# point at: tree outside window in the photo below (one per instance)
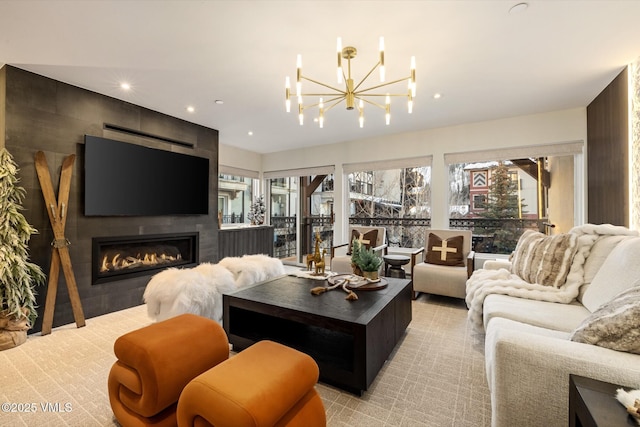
(489, 197)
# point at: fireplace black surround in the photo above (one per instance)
(64, 114)
(121, 257)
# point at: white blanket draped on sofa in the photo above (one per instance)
(485, 282)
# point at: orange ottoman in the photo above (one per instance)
(268, 384)
(156, 362)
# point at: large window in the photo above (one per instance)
(500, 199)
(399, 199)
(235, 195)
(284, 199)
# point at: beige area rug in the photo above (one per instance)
(435, 377)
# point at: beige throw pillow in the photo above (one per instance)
(619, 271)
(615, 325)
(543, 259)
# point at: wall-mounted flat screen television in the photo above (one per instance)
(122, 179)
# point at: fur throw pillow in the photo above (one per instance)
(445, 252)
(543, 259)
(615, 325)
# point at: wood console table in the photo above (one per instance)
(238, 241)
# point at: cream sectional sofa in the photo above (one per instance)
(529, 351)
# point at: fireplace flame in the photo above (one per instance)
(118, 262)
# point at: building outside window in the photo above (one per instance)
(235, 195)
(398, 199)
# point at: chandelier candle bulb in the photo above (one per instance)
(300, 115)
(413, 76)
(321, 118)
(339, 72)
(299, 78)
(410, 104)
(387, 110)
(287, 88)
(361, 117)
(382, 59)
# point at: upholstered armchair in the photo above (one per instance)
(371, 237)
(445, 265)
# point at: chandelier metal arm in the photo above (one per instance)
(317, 104)
(360, 94)
(339, 95)
(383, 85)
(323, 84)
(371, 102)
(367, 76)
(337, 102)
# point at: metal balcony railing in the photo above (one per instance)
(489, 235)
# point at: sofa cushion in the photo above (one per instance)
(550, 315)
(615, 325)
(445, 251)
(598, 254)
(619, 271)
(543, 259)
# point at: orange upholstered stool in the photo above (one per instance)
(156, 362)
(267, 384)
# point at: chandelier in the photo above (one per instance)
(352, 92)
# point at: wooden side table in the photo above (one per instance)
(593, 403)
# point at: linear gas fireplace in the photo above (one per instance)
(118, 258)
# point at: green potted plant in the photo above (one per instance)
(18, 276)
(365, 260)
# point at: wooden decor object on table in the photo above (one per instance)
(355, 282)
(57, 210)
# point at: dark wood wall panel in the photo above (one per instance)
(246, 240)
(50, 116)
(608, 153)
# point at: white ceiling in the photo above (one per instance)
(486, 62)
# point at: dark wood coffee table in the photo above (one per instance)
(349, 340)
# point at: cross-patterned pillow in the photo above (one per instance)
(367, 240)
(445, 252)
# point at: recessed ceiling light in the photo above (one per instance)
(219, 101)
(190, 109)
(125, 86)
(250, 133)
(518, 8)
(437, 95)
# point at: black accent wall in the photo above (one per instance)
(42, 114)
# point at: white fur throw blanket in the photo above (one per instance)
(199, 290)
(485, 282)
